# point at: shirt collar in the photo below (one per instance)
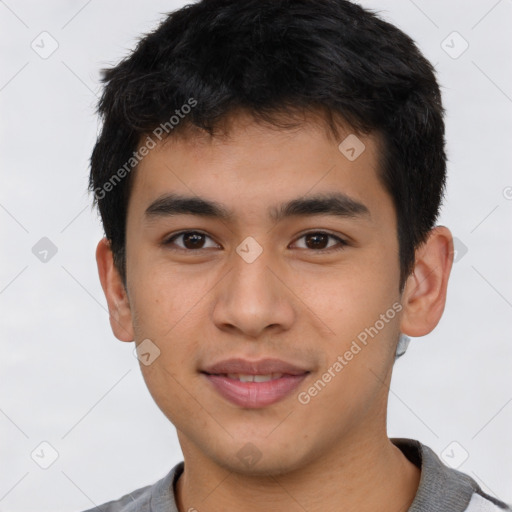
(441, 488)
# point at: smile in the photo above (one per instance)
(254, 391)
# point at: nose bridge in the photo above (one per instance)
(255, 278)
(251, 279)
(251, 298)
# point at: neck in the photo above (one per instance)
(362, 475)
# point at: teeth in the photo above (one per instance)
(254, 378)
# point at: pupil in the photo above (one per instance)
(193, 240)
(319, 241)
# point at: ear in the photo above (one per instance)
(115, 293)
(424, 295)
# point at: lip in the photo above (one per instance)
(261, 367)
(253, 395)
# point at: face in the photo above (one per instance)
(288, 253)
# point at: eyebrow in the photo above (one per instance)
(336, 204)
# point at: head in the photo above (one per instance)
(310, 135)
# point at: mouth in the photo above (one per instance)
(254, 384)
(253, 378)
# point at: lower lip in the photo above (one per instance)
(253, 395)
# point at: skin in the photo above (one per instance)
(293, 302)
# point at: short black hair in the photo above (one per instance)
(276, 60)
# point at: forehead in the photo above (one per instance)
(253, 165)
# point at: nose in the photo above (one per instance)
(252, 300)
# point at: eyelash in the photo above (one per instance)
(341, 243)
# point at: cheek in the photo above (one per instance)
(360, 306)
(166, 298)
(173, 392)
(358, 355)
(351, 296)
(168, 311)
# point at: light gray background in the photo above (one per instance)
(66, 380)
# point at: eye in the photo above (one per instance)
(319, 241)
(190, 240)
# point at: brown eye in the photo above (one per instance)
(317, 241)
(321, 241)
(190, 240)
(193, 240)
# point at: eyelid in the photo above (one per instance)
(342, 242)
(168, 240)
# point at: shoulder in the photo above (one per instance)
(158, 497)
(484, 503)
(443, 488)
(135, 501)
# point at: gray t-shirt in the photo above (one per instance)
(441, 488)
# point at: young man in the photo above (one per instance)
(269, 174)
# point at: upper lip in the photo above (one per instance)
(260, 367)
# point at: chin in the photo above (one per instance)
(260, 457)
(272, 465)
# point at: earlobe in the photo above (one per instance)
(424, 296)
(115, 293)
